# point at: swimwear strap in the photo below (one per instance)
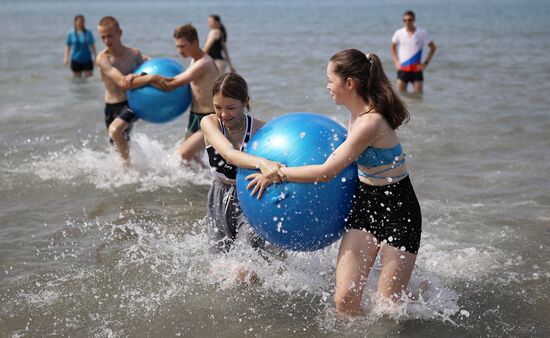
(396, 164)
(231, 194)
(228, 198)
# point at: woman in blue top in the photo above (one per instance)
(80, 45)
(385, 218)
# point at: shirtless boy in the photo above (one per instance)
(200, 75)
(114, 62)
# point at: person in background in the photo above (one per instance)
(406, 49)
(80, 45)
(216, 44)
(385, 218)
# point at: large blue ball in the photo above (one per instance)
(154, 105)
(299, 216)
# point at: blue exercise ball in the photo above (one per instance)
(299, 216)
(154, 105)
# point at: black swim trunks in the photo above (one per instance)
(391, 213)
(78, 67)
(410, 76)
(122, 111)
(195, 121)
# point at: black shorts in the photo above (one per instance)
(195, 121)
(123, 112)
(390, 212)
(78, 67)
(410, 76)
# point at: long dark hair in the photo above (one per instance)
(79, 16)
(231, 85)
(222, 27)
(372, 84)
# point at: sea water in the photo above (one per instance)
(88, 249)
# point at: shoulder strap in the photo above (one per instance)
(222, 127)
(248, 131)
(249, 127)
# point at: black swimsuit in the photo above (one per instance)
(216, 50)
(218, 165)
(228, 224)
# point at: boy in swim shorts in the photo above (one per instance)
(200, 75)
(114, 62)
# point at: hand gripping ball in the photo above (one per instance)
(154, 105)
(299, 216)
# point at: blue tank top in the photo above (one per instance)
(376, 157)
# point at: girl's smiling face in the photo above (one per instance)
(338, 89)
(229, 110)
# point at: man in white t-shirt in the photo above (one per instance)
(408, 58)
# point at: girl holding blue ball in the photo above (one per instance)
(226, 133)
(385, 218)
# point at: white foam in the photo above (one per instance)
(183, 263)
(179, 270)
(154, 165)
(450, 261)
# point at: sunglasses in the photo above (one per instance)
(408, 20)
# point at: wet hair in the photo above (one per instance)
(372, 84)
(109, 21)
(231, 85)
(410, 13)
(187, 32)
(222, 27)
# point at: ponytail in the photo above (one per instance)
(79, 16)
(372, 84)
(222, 27)
(224, 32)
(381, 95)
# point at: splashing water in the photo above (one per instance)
(153, 166)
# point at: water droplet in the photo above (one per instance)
(465, 313)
